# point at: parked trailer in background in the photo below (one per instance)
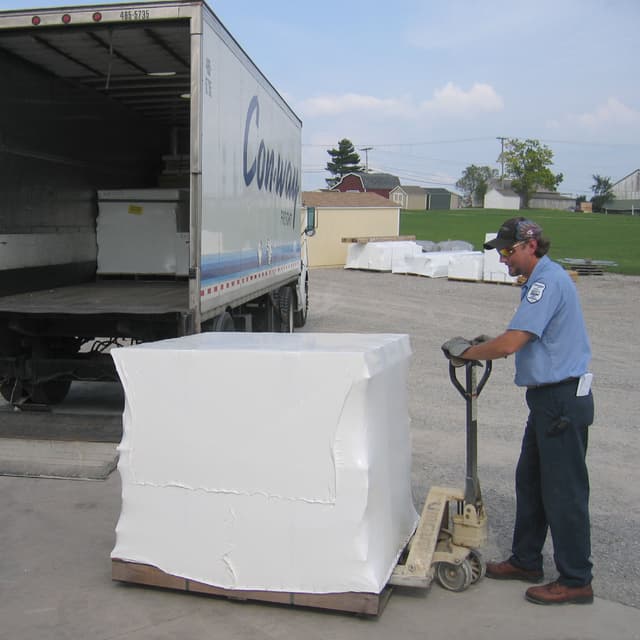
(149, 188)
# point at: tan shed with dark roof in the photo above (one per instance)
(347, 215)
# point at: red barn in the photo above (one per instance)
(380, 183)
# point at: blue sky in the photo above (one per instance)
(430, 86)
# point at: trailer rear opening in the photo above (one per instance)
(150, 189)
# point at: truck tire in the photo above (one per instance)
(7, 390)
(50, 392)
(300, 316)
(285, 303)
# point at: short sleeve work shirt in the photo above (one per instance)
(550, 310)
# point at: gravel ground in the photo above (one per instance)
(432, 310)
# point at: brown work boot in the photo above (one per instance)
(556, 593)
(507, 571)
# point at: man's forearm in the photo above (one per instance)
(504, 345)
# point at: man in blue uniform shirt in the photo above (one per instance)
(552, 351)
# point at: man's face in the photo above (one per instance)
(519, 258)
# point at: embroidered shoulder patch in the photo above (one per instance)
(535, 292)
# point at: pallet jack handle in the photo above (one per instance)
(470, 393)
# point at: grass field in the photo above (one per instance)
(592, 236)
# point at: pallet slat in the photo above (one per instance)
(365, 239)
(371, 604)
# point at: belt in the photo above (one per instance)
(552, 384)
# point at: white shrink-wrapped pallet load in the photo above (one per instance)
(380, 256)
(432, 265)
(373, 256)
(267, 461)
(494, 270)
(466, 266)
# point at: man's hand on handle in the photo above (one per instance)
(454, 348)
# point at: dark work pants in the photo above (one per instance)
(552, 484)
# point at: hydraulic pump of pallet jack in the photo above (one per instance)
(470, 521)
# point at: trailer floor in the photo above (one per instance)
(103, 296)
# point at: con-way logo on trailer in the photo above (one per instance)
(267, 167)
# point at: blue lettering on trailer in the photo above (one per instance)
(269, 169)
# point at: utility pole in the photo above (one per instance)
(366, 157)
(502, 139)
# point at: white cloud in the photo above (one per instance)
(448, 100)
(609, 119)
(612, 112)
(451, 99)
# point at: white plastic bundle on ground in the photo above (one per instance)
(404, 256)
(494, 270)
(378, 256)
(432, 265)
(468, 265)
(267, 461)
(454, 245)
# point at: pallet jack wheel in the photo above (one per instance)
(478, 565)
(454, 577)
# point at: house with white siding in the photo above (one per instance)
(627, 195)
(500, 195)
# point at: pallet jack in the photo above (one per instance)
(453, 523)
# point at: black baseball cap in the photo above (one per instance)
(514, 230)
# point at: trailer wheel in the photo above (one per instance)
(300, 317)
(50, 392)
(454, 577)
(285, 302)
(7, 387)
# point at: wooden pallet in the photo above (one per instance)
(368, 604)
(517, 283)
(365, 239)
(588, 269)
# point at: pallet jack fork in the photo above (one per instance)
(453, 524)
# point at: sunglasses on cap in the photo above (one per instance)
(508, 252)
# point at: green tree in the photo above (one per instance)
(602, 192)
(344, 160)
(527, 163)
(474, 183)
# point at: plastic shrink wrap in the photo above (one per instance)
(494, 270)
(267, 461)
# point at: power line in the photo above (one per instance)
(592, 144)
(380, 145)
(407, 144)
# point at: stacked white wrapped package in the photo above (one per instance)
(379, 256)
(267, 461)
(494, 270)
(433, 264)
(467, 265)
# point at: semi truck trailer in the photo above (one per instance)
(149, 188)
